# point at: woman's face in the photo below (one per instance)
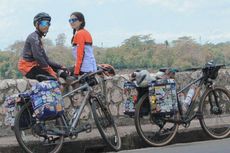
(74, 22)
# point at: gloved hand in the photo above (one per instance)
(66, 70)
(63, 72)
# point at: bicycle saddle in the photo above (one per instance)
(42, 77)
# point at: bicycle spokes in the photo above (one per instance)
(215, 108)
(106, 124)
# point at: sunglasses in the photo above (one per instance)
(73, 20)
(44, 23)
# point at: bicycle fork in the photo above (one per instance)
(214, 103)
(74, 121)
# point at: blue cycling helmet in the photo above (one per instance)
(41, 16)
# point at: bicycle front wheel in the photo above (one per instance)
(215, 112)
(105, 124)
(152, 129)
(36, 137)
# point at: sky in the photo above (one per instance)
(110, 22)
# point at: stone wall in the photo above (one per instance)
(114, 87)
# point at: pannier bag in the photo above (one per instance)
(163, 97)
(10, 108)
(131, 93)
(47, 100)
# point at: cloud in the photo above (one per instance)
(16, 19)
(5, 8)
(98, 2)
(175, 5)
(186, 5)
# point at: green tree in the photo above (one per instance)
(61, 39)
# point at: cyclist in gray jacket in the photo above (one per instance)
(33, 60)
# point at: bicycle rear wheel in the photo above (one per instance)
(153, 130)
(36, 137)
(215, 110)
(105, 124)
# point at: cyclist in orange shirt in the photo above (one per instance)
(33, 60)
(82, 45)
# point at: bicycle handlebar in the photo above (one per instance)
(87, 75)
(205, 67)
(221, 65)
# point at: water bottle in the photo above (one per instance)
(131, 105)
(126, 105)
(189, 96)
(181, 97)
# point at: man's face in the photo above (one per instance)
(43, 26)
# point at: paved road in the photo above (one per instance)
(211, 146)
(93, 143)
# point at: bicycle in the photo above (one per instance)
(210, 107)
(48, 136)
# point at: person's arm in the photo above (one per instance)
(54, 64)
(80, 42)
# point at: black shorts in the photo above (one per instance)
(32, 74)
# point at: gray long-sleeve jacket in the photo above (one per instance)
(34, 51)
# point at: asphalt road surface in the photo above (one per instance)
(211, 146)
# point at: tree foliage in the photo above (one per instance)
(139, 51)
(61, 39)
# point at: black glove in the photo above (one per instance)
(63, 73)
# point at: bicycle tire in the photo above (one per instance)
(103, 119)
(24, 128)
(146, 124)
(211, 115)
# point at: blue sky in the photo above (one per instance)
(112, 21)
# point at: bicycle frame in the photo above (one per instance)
(77, 113)
(69, 126)
(190, 114)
